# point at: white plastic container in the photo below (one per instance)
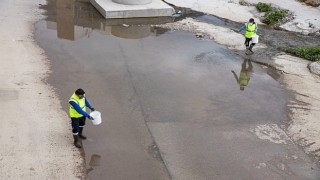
(96, 117)
(255, 39)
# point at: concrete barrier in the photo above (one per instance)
(110, 9)
(132, 2)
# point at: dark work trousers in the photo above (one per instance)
(247, 42)
(76, 123)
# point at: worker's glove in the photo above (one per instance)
(90, 117)
(92, 109)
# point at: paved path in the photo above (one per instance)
(35, 138)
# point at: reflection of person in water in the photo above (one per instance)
(94, 162)
(245, 73)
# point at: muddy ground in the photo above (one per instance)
(314, 3)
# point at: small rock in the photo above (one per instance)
(263, 165)
(282, 166)
(305, 32)
(315, 68)
(199, 35)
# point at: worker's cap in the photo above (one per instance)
(251, 20)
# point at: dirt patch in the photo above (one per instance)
(314, 3)
(304, 108)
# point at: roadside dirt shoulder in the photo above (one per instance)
(35, 136)
(304, 108)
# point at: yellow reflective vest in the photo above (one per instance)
(81, 102)
(243, 79)
(250, 30)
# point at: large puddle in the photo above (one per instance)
(173, 106)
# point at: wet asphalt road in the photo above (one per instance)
(171, 107)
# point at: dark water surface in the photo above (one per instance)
(171, 106)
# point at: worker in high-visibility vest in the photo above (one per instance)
(77, 111)
(251, 30)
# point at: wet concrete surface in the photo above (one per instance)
(171, 106)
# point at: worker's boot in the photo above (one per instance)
(247, 49)
(250, 48)
(76, 141)
(80, 133)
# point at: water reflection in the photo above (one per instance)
(94, 162)
(76, 19)
(245, 74)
